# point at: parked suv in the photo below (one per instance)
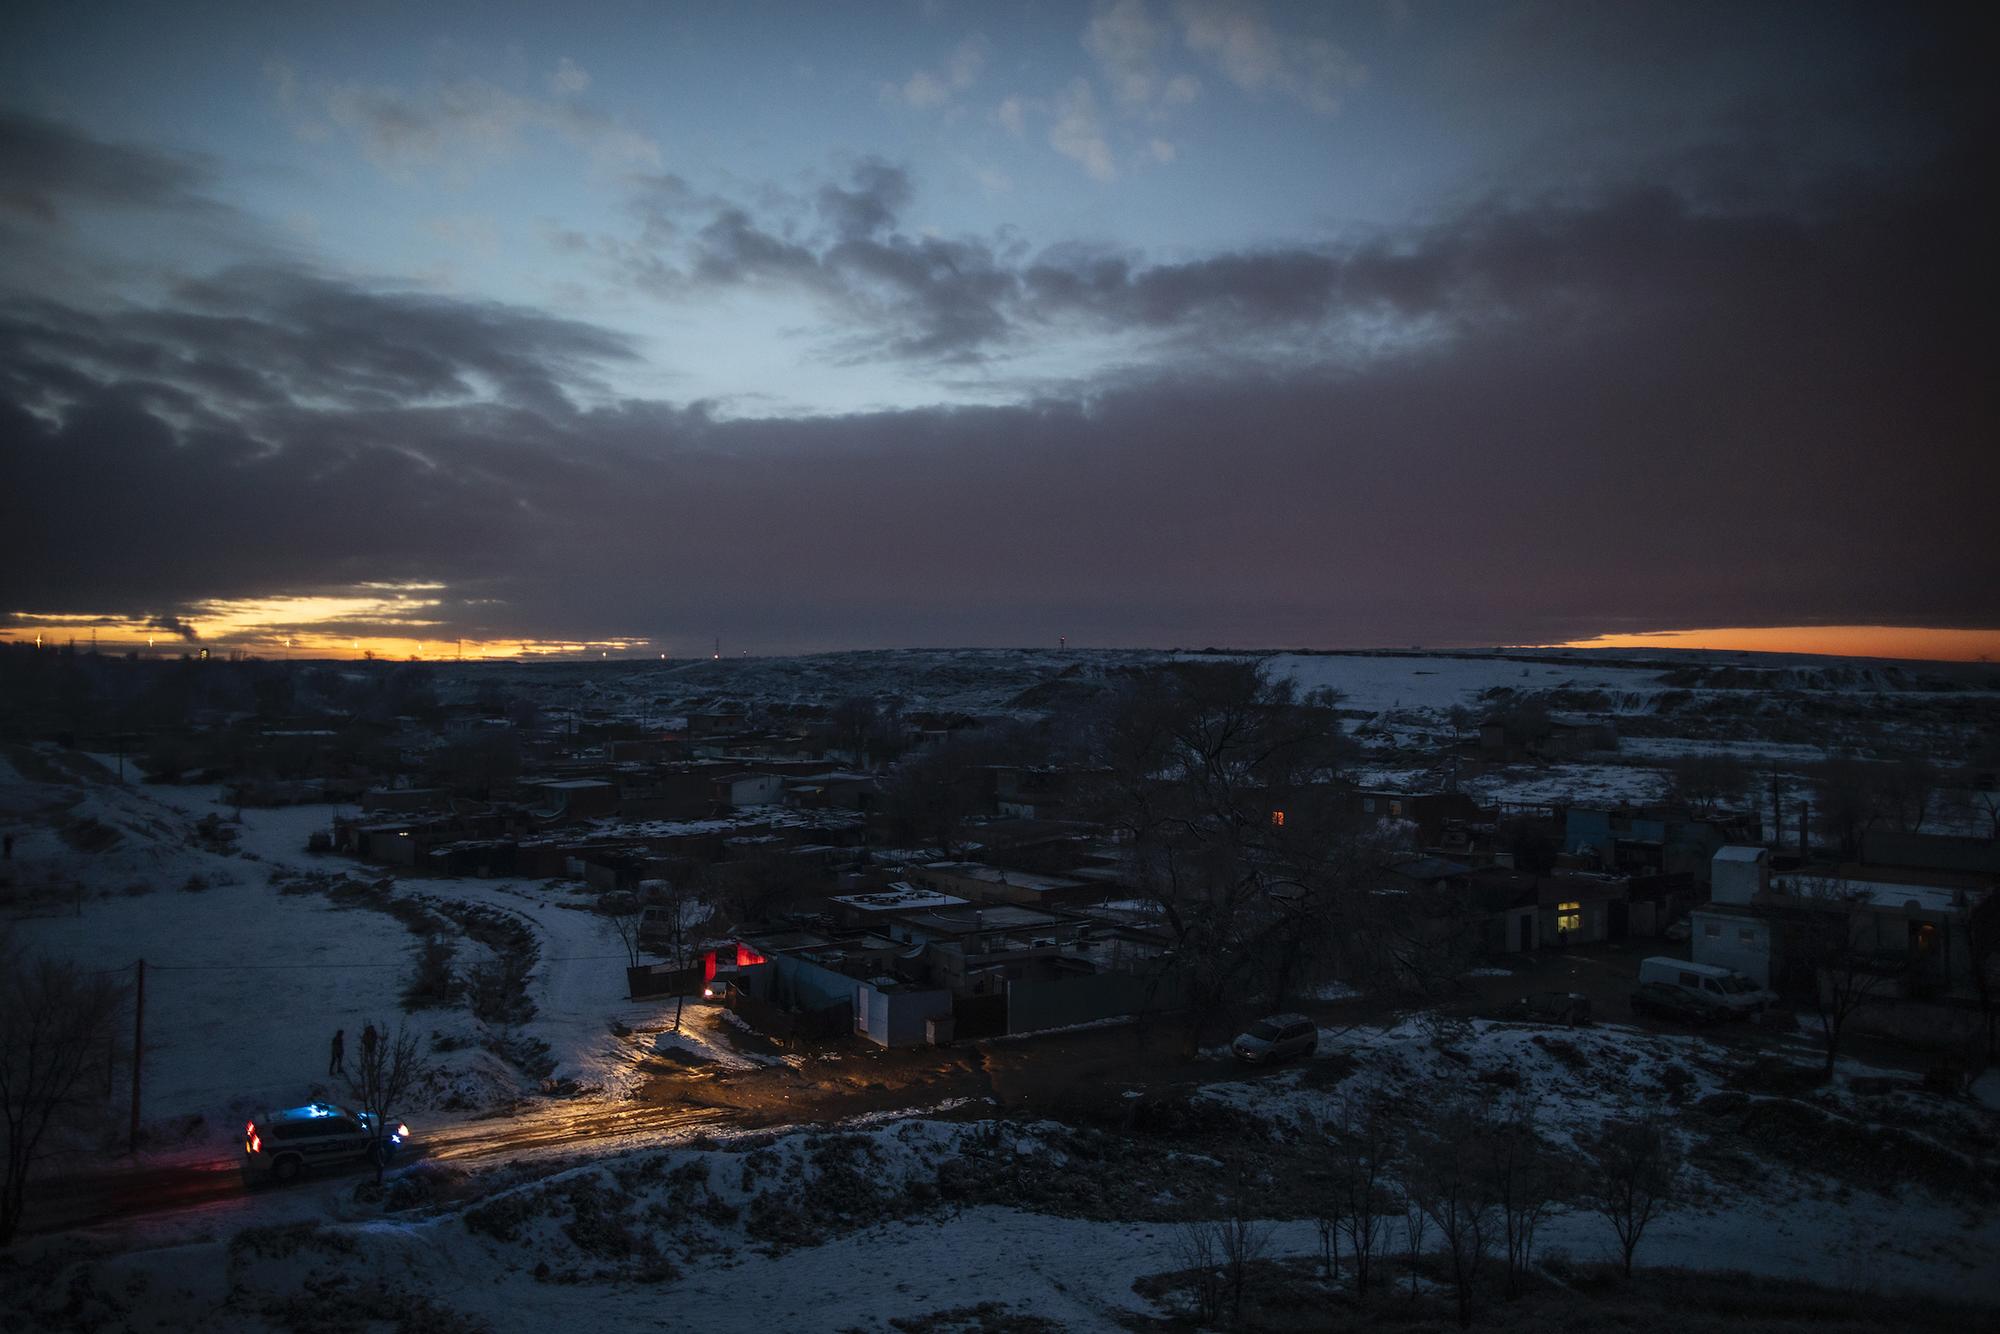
(1562, 1007)
(1662, 1001)
(1276, 1037)
(277, 1146)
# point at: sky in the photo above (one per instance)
(635, 328)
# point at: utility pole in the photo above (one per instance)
(138, 1047)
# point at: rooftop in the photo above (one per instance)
(1739, 853)
(899, 896)
(996, 875)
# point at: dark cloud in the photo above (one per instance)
(881, 191)
(47, 168)
(262, 338)
(173, 625)
(1642, 411)
(1736, 387)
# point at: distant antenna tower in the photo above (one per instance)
(718, 646)
(1062, 642)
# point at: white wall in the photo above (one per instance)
(760, 790)
(1733, 881)
(1729, 940)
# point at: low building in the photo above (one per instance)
(1743, 940)
(747, 788)
(999, 884)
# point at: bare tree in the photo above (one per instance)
(1707, 781)
(1243, 1243)
(677, 907)
(56, 1025)
(1362, 1141)
(932, 794)
(852, 723)
(1219, 778)
(1830, 957)
(1416, 1227)
(1451, 1181)
(1909, 792)
(1197, 1246)
(623, 909)
(1850, 801)
(1417, 941)
(383, 1075)
(1635, 1170)
(1526, 1183)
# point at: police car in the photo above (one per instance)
(277, 1146)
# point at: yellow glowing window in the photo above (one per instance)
(1277, 819)
(1569, 917)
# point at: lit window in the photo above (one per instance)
(1277, 819)
(1396, 809)
(1569, 917)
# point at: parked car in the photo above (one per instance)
(1560, 1007)
(1732, 991)
(278, 1146)
(1661, 1001)
(1275, 1038)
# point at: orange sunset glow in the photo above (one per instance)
(1854, 641)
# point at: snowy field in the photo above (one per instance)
(1414, 681)
(246, 982)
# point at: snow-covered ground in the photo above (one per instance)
(1568, 783)
(857, 1225)
(246, 983)
(1418, 681)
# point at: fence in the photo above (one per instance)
(659, 979)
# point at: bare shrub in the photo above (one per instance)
(1636, 1169)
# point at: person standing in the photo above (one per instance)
(336, 1063)
(367, 1044)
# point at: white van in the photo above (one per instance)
(1733, 991)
